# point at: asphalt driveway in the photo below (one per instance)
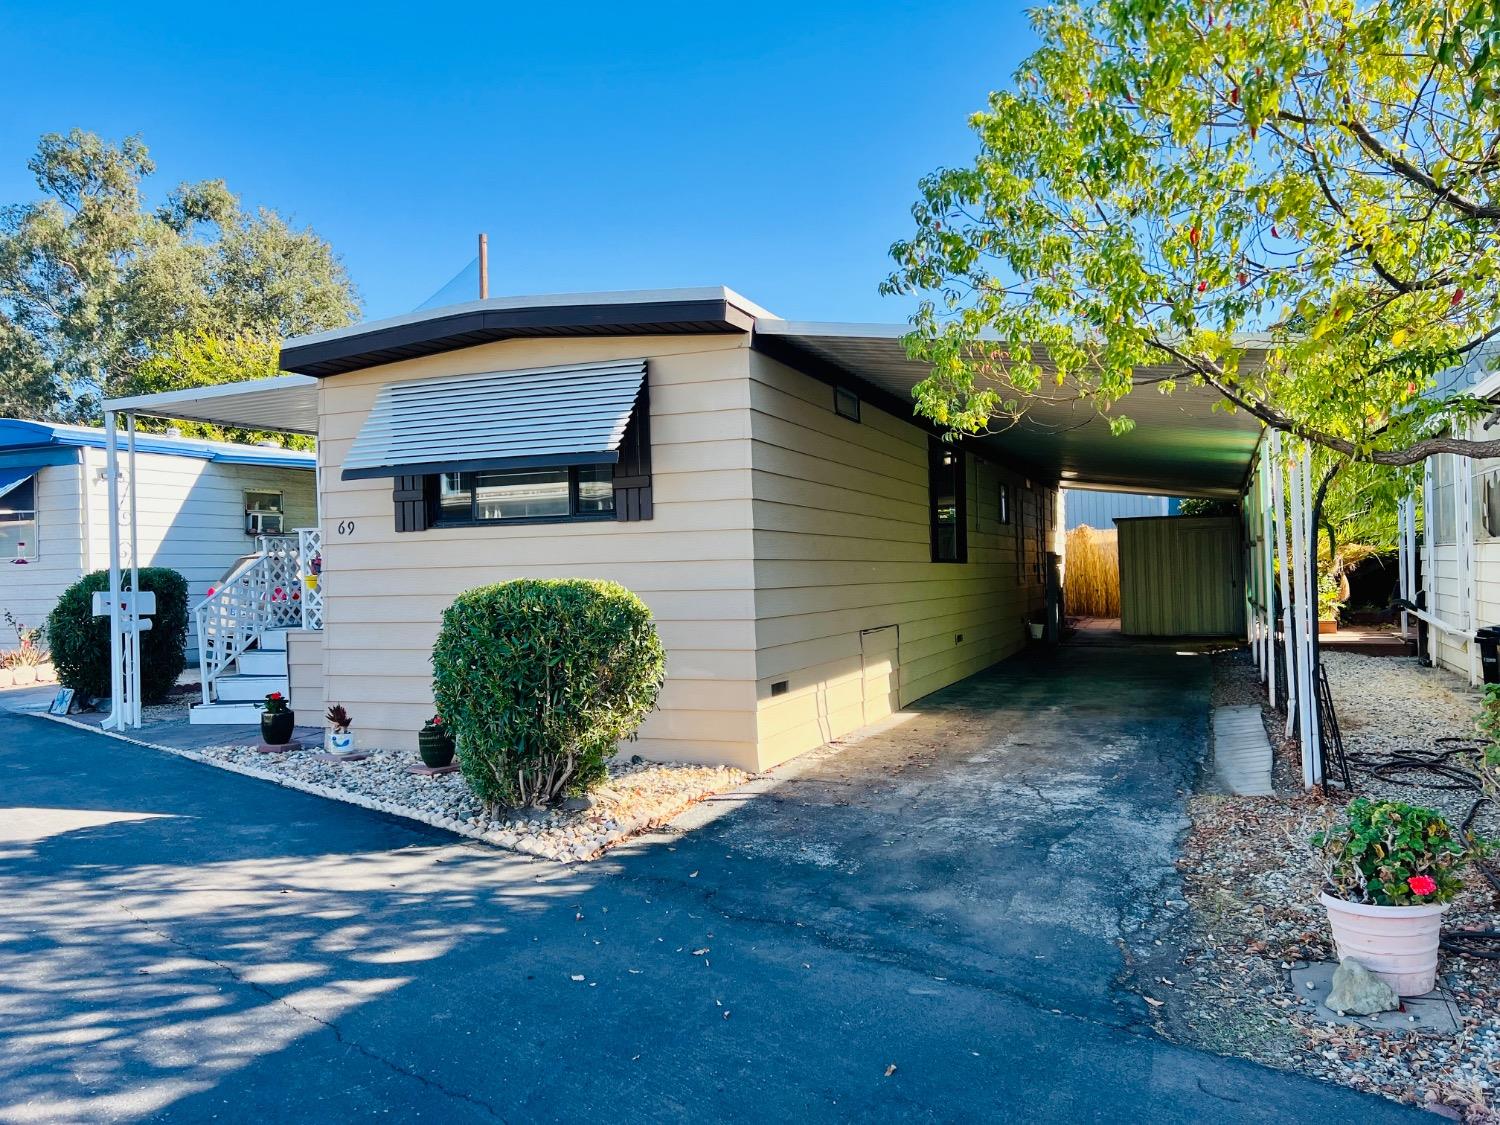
(931, 924)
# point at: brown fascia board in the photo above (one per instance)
(466, 327)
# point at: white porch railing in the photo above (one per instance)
(310, 575)
(266, 593)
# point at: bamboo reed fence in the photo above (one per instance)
(1091, 578)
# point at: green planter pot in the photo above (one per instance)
(436, 747)
(276, 729)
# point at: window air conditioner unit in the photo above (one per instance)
(263, 523)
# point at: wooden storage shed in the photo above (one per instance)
(1181, 576)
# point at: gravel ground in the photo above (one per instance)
(1252, 880)
(638, 797)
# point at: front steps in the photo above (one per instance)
(239, 695)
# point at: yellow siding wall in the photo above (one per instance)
(385, 592)
(842, 545)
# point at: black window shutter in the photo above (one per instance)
(410, 498)
(632, 473)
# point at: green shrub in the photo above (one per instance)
(537, 681)
(1389, 853)
(80, 641)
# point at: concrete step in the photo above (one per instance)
(225, 714)
(273, 640)
(1242, 753)
(257, 663)
(249, 689)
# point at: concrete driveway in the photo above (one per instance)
(930, 924)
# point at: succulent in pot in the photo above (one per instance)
(25, 660)
(340, 738)
(277, 720)
(435, 744)
(1390, 871)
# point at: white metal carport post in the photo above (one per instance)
(1268, 574)
(124, 634)
(1291, 479)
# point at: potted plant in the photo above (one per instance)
(277, 720)
(25, 660)
(1329, 604)
(435, 744)
(340, 740)
(1389, 873)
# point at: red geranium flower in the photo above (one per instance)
(1422, 884)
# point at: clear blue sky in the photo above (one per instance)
(774, 148)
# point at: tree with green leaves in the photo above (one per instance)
(1169, 178)
(185, 360)
(95, 280)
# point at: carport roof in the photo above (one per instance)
(1181, 445)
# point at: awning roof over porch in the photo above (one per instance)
(284, 403)
(1181, 445)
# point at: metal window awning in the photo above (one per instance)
(570, 415)
(14, 476)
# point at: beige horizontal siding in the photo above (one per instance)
(304, 658)
(842, 545)
(385, 592)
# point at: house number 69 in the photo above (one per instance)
(346, 527)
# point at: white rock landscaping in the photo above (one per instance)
(638, 797)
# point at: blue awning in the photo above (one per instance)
(15, 475)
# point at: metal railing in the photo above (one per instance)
(262, 595)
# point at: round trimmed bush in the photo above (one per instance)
(80, 641)
(539, 680)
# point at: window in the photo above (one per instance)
(1002, 510)
(945, 493)
(1487, 498)
(263, 513)
(579, 492)
(846, 403)
(1444, 521)
(18, 523)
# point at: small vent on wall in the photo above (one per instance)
(779, 687)
(958, 638)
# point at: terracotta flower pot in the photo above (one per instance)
(1326, 626)
(1399, 944)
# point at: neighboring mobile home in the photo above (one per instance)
(815, 556)
(200, 505)
(1453, 558)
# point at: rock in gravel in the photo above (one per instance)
(1357, 990)
(577, 804)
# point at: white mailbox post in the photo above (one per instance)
(129, 615)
